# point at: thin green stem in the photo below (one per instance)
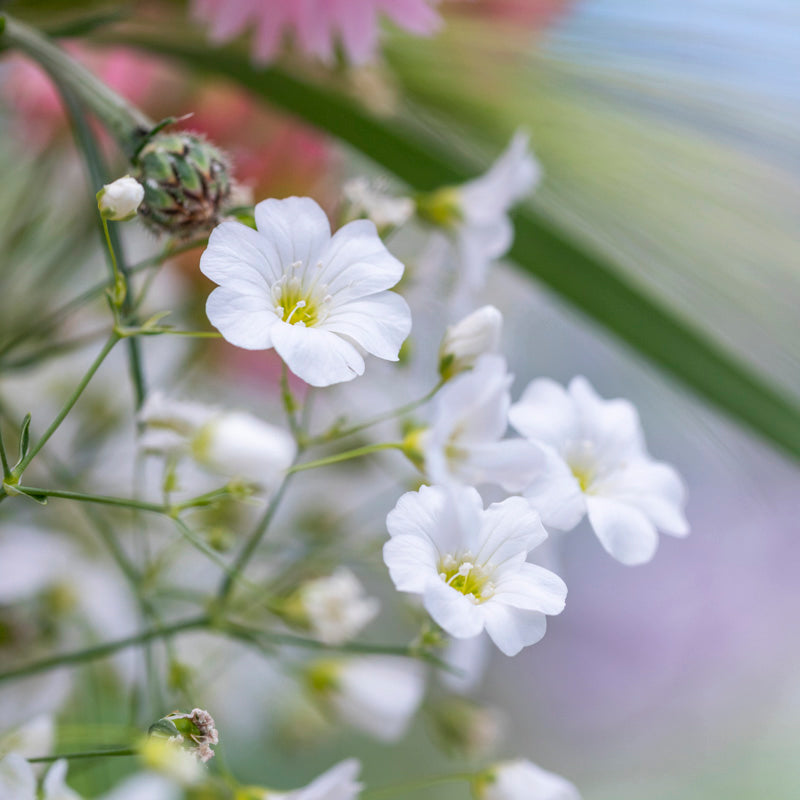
(347, 456)
(3, 457)
(334, 434)
(289, 402)
(414, 786)
(116, 751)
(118, 277)
(71, 400)
(102, 650)
(122, 502)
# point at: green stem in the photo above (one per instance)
(126, 122)
(384, 417)
(289, 402)
(3, 457)
(102, 650)
(118, 751)
(122, 502)
(413, 786)
(71, 400)
(347, 455)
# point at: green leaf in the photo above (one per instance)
(24, 437)
(573, 271)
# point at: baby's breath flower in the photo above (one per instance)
(120, 200)
(465, 341)
(522, 780)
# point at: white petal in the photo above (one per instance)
(357, 263)
(555, 493)
(240, 259)
(17, 781)
(379, 324)
(533, 588)
(338, 783)
(545, 413)
(243, 319)
(509, 531)
(512, 629)
(55, 787)
(318, 357)
(522, 780)
(412, 562)
(470, 657)
(145, 785)
(297, 228)
(511, 463)
(655, 489)
(624, 531)
(453, 611)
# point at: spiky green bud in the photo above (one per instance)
(186, 184)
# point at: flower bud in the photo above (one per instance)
(186, 183)
(466, 728)
(467, 340)
(120, 200)
(522, 780)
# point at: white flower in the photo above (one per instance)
(336, 607)
(33, 738)
(375, 694)
(316, 299)
(338, 783)
(465, 341)
(596, 464)
(476, 213)
(18, 781)
(522, 780)
(372, 201)
(145, 785)
(55, 783)
(469, 564)
(464, 441)
(120, 199)
(232, 443)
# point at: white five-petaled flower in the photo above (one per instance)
(596, 464)
(464, 442)
(120, 200)
(338, 783)
(467, 340)
(469, 564)
(375, 694)
(520, 779)
(318, 299)
(336, 606)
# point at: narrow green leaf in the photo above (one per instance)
(574, 272)
(25, 437)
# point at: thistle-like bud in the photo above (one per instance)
(186, 183)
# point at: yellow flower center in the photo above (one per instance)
(467, 577)
(582, 461)
(300, 299)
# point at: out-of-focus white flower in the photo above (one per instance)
(33, 738)
(316, 298)
(55, 783)
(596, 464)
(372, 201)
(375, 694)
(232, 443)
(469, 564)
(336, 606)
(145, 785)
(464, 441)
(18, 781)
(465, 341)
(469, 659)
(120, 199)
(476, 213)
(522, 780)
(338, 783)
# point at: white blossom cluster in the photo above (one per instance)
(326, 302)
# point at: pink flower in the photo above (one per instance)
(315, 25)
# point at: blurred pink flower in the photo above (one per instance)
(316, 25)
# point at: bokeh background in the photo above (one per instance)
(670, 137)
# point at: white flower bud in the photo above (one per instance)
(467, 340)
(336, 606)
(523, 780)
(120, 199)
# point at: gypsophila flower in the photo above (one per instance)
(375, 694)
(374, 202)
(464, 444)
(336, 606)
(18, 781)
(464, 342)
(120, 200)
(338, 783)
(475, 214)
(316, 26)
(596, 464)
(316, 299)
(468, 564)
(520, 779)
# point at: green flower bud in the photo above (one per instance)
(186, 183)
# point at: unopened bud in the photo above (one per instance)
(120, 200)
(467, 340)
